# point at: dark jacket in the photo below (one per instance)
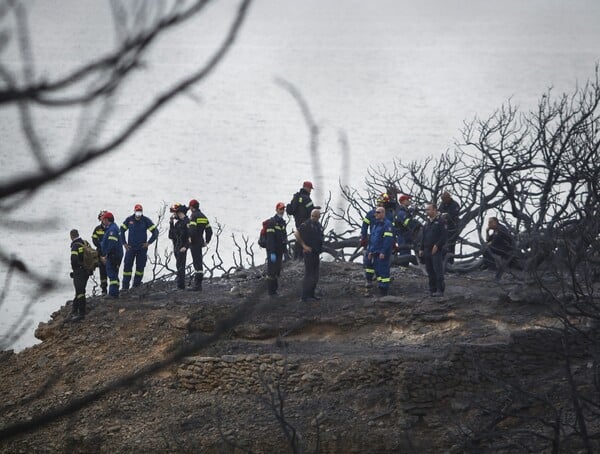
(501, 242)
(435, 232)
(382, 238)
(178, 232)
(137, 231)
(97, 236)
(451, 210)
(77, 254)
(199, 228)
(300, 206)
(111, 244)
(312, 234)
(276, 235)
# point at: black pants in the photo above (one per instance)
(180, 259)
(273, 272)
(80, 278)
(434, 264)
(311, 274)
(103, 278)
(298, 251)
(196, 250)
(452, 235)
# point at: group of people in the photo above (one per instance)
(389, 228)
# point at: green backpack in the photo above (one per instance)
(90, 257)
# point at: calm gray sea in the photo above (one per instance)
(398, 77)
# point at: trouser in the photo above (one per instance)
(368, 266)
(80, 278)
(180, 259)
(311, 274)
(273, 272)
(298, 251)
(103, 280)
(434, 264)
(452, 234)
(112, 272)
(140, 256)
(382, 271)
(196, 250)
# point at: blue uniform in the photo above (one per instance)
(276, 245)
(137, 228)
(112, 248)
(404, 233)
(381, 241)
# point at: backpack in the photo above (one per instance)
(90, 257)
(262, 238)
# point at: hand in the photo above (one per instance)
(144, 245)
(364, 242)
(273, 257)
(420, 253)
(306, 248)
(434, 249)
(103, 259)
(183, 249)
(127, 246)
(71, 274)
(381, 256)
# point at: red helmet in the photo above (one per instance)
(108, 215)
(279, 206)
(194, 203)
(403, 198)
(308, 184)
(138, 207)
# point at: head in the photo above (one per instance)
(493, 223)
(280, 208)
(107, 218)
(383, 199)
(180, 211)
(446, 197)
(138, 211)
(315, 215)
(404, 200)
(100, 214)
(380, 213)
(308, 186)
(431, 210)
(74, 234)
(194, 204)
(173, 208)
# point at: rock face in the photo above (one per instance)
(348, 373)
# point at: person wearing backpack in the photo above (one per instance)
(136, 245)
(276, 244)
(97, 236)
(178, 233)
(300, 208)
(112, 248)
(79, 275)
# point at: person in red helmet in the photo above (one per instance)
(300, 208)
(178, 233)
(200, 233)
(136, 245)
(276, 245)
(97, 236)
(112, 250)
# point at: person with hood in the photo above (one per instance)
(136, 245)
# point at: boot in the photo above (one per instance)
(383, 291)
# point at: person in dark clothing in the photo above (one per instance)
(310, 236)
(136, 245)
(112, 248)
(97, 236)
(404, 224)
(200, 233)
(381, 242)
(450, 209)
(433, 248)
(300, 208)
(276, 244)
(178, 233)
(500, 243)
(80, 276)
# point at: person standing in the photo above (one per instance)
(300, 208)
(500, 243)
(405, 225)
(365, 231)
(450, 209)
(200, 233)
(433, 247)
(112, 248)
(136, 245)
(276, 244)
(311, 237)
(178, 233)
(80, 276)
(97, 236)
(379, 250)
